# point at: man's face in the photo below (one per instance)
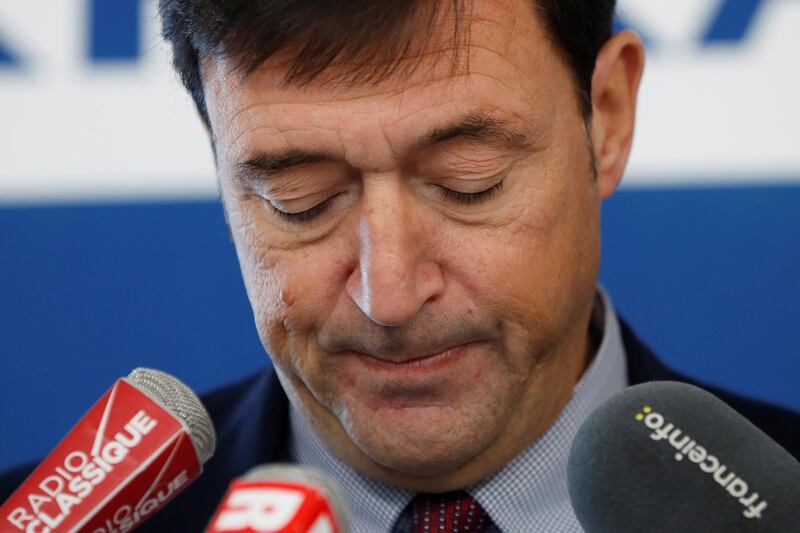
(420, 254)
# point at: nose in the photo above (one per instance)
(396, 274)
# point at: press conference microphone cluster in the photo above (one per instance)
(140, 445)
(667, 456)
(281, 499)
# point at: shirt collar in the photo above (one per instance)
(530, 492)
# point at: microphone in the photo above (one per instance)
(281, 498)
(667, 456)
(141, 444)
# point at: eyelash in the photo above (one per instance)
(308, 214)
(467, 198)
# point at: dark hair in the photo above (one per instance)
(371, 35)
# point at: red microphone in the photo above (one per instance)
(141, 444)
(281, 499)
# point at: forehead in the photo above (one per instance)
(504, 67)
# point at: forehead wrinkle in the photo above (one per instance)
(402, 93)
(353, 152)
(264, 78)
(334, 95)
(250, 149)
(238, 129)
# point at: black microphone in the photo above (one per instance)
(667, 456)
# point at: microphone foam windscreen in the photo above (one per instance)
(666, 456)
(184, 404)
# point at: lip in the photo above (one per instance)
(415, 364)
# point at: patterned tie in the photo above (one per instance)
(451, 512)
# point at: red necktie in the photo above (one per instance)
(451, 512)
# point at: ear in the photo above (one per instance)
(615, 84)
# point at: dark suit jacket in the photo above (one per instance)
(251, 419)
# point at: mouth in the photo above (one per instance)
(414, 363)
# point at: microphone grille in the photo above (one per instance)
(179, 399)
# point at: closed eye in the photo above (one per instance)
(470, 197)
(466, 198)
(307, 215)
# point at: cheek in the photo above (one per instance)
(291, 291)
(263, 271)
(312, 283)
(532, 271)
(500, 265)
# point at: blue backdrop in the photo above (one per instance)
(708, 277)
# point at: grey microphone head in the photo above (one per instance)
(184, 404)
(667, 456)
(310, 477)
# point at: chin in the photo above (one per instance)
(421, 463)
(421, 442)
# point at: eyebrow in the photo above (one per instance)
(475, 127)
(269, 164)
(479, 127)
